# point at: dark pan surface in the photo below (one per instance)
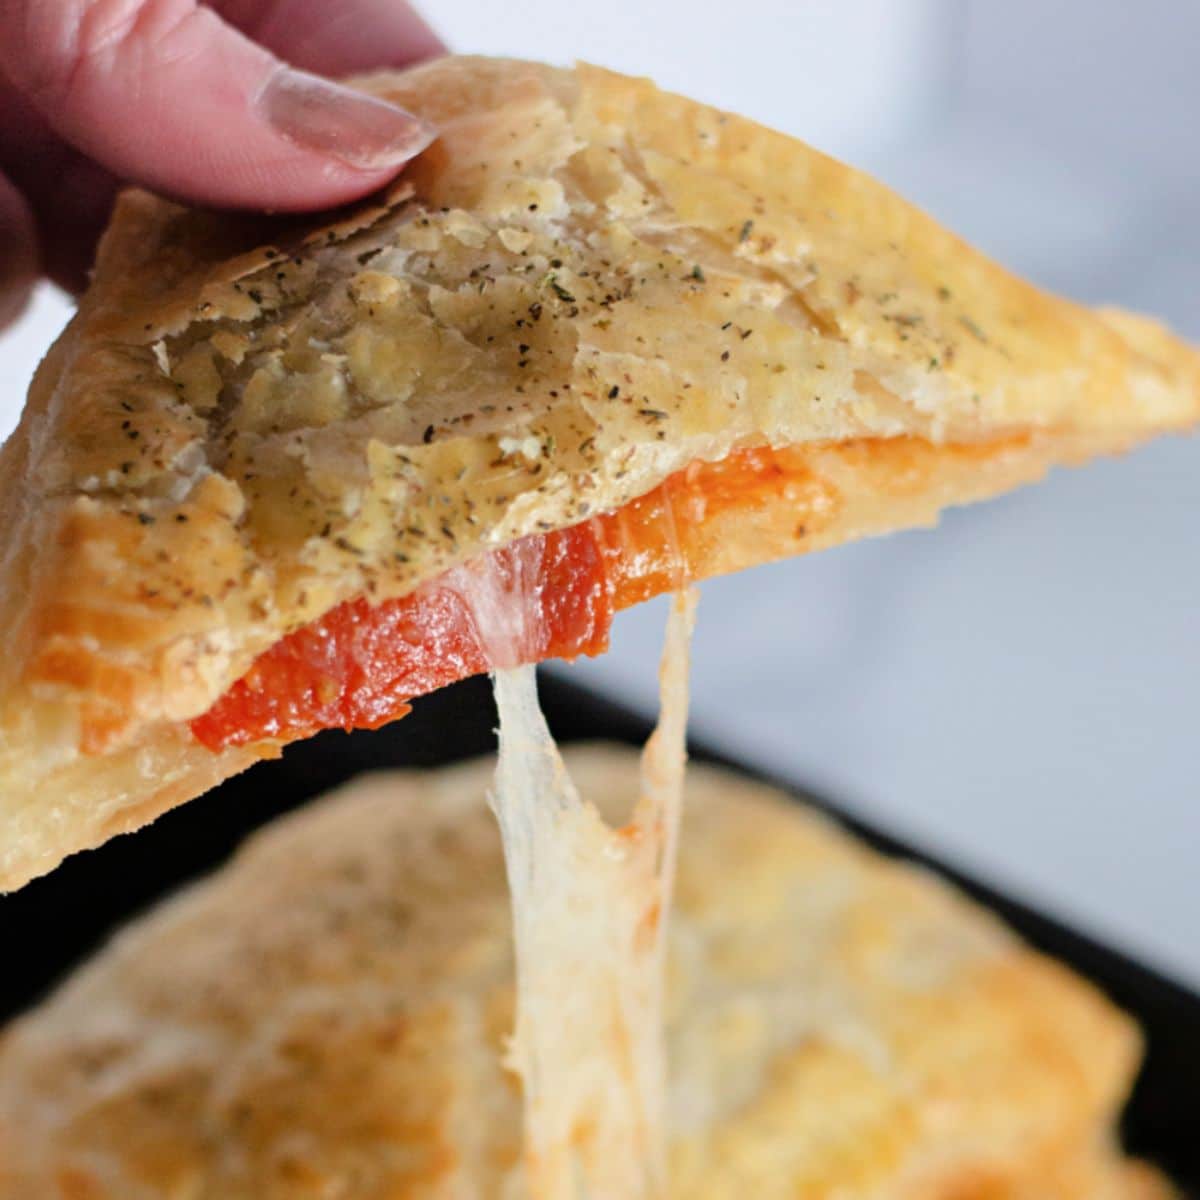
(50, 925)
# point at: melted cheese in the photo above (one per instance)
(584, 926)
(590, 906)
(504, 602)
(657, 818)
(589, 911)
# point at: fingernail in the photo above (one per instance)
(361, 130)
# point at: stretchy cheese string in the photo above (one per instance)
(589, 912)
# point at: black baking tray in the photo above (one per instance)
(52, 923)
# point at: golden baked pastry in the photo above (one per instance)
(326, 1017)
(587, 297)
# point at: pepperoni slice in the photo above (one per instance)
(360, 665)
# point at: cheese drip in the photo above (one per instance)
(589, 906)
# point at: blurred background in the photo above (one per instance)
(1019, 691)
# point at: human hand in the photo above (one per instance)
(210, 103)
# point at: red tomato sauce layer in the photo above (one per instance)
(360, 665)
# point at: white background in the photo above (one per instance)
(1020, 689)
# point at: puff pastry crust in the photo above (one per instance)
(585, 285)
(326, 1016)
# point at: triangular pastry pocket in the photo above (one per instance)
(608, 336)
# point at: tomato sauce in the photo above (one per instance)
(360, 665)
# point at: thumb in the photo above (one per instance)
(165, 93)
